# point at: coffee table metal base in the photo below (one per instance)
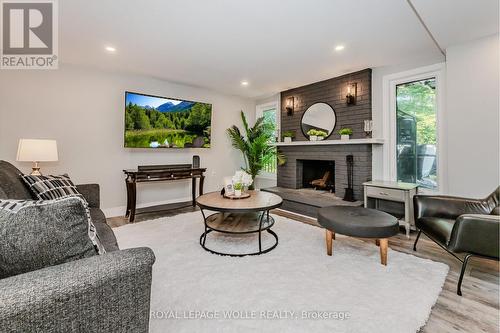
(239, 223)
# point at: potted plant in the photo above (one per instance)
(345, 133)
(315, 135)
(288, 136)
(312, 135)
(321, 134)
(256, 145)
(241, 180)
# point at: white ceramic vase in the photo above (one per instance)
(344, 137)
(313, 138)
(287, 139)
(237, 193)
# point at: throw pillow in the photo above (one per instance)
(58, 187)
(50, 187)
(37, 234)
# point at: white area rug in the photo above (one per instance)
(294, 288)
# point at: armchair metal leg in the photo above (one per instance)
(416, 240)
(464, 265)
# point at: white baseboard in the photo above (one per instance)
(120, 210)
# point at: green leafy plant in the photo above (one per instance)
(255, 144)
(288, 134)
(315, 132)
(238, 186)
(345, 131)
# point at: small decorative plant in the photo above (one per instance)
(241, 179)
(345, 133)
(315, 134)
(288, 136)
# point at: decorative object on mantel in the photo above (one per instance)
(35, 151)
(345, 133)
(316, 135)
(319, 117)
(288, 136)
(290, 105)
(255, 145)
(368, 127)
(241, 181)
(349, 191)
(352, 92)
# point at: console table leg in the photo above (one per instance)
(202, 180)
(127, 212)
(133, 198)
(193, 191)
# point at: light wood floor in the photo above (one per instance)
(476, 311)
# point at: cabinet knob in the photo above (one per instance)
(172, 175)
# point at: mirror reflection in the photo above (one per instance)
(319, 117)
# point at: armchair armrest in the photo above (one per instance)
(447, 206)
(91, 193)
(106, 293)
(476, 234)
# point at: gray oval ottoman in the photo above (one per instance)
(358, 222)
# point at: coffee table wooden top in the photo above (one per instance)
(258, 201)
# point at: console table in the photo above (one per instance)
(156, 173)
(394, 192)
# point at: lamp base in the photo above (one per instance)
(35, 170)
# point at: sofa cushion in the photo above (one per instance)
(37, 234)
(439, 229)
(50, 187)
(106, 234)
(11, 184)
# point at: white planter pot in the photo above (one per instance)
(287, 139)
(321, 138)
(313, 138)
(237, 193)
(344, 137)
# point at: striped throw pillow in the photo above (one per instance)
(51, 187)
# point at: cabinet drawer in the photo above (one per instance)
(385, 193)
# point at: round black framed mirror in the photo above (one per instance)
(319, 120)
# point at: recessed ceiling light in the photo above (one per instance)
(110, 49)
(244, 83)
(339, 48)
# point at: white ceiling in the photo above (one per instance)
(274, 44)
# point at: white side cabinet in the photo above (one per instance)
(395, 192)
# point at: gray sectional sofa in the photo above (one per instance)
(102, 293)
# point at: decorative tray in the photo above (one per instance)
(234, 197)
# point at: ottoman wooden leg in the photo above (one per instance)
(384, 242)
(329, 241)
(377, 242)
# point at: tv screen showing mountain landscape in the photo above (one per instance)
(158, 122)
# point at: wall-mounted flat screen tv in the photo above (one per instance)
(160, 122)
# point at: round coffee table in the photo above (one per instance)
(239, 216)
(358, 222)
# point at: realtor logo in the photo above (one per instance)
(29, 34)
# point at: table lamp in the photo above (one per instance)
(34, 150)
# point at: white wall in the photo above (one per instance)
(83, 109)
(473, 117)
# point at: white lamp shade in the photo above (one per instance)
(33, 150)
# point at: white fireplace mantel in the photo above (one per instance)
(371, 141)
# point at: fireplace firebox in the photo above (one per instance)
(318, 174)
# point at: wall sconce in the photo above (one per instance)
(352, 92)
(289, 105)
(368, 128)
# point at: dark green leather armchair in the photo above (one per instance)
(460, 225)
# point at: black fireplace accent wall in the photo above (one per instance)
(316, 169)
